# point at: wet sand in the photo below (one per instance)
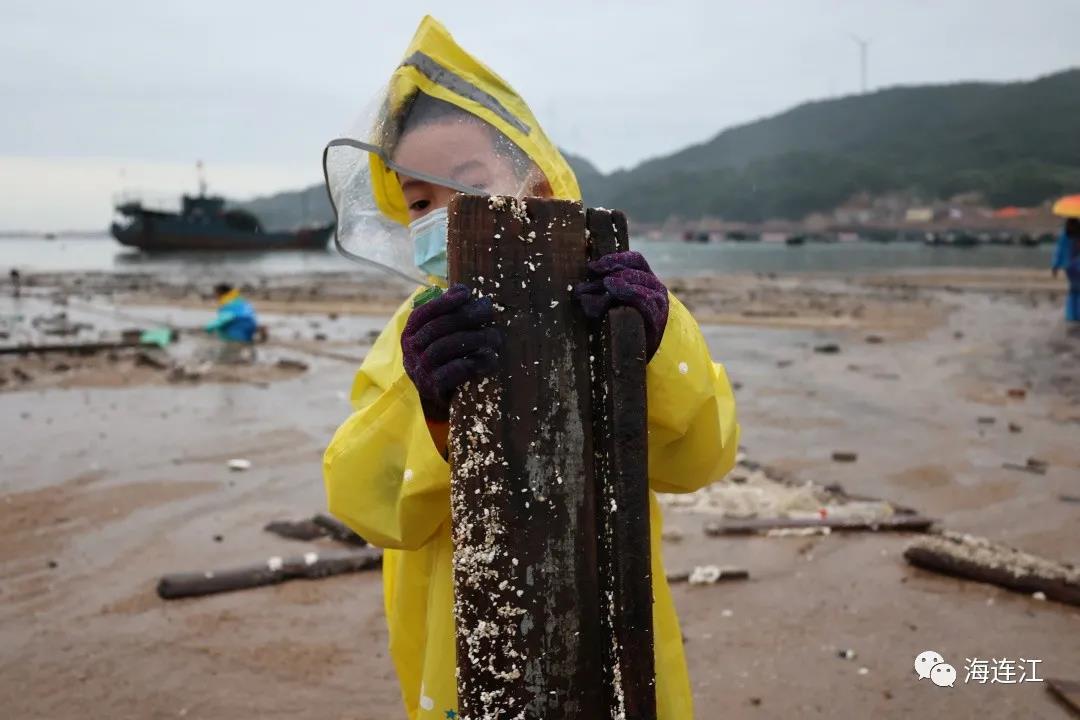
(113, 473)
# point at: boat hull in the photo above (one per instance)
(152, 234)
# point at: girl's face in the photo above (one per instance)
(462, 151)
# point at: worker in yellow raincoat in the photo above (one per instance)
(448, 124)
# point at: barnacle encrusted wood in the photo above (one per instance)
(527, 602)
(619, 429)
(976, 558)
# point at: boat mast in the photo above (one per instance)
(200, 172)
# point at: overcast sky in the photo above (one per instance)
(111, 94)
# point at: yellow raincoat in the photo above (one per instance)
(386, 476)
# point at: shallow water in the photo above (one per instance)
(667, 258)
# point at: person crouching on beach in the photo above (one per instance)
(235, 324)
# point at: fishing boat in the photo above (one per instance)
(204, 223)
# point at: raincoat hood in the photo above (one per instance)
(436, 65)
(363, 170)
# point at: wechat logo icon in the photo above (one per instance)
(931, 665)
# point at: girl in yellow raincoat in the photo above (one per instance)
(449, 124)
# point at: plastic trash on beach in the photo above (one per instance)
(705, 575)
(156, 336)
(239, 464)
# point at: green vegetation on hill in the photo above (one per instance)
(1016, 143)
(288, 210)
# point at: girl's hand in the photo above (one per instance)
(625, 279)
(446, 342)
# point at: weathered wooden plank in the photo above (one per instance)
(522, 501)
(84, 348)
(751, 526)
(337, 530)
(724, 574)
(303, 530)
(621, 440)
(319, 525)
(275, 570)
(1067, 691)
(974, 558)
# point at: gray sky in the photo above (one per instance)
(105, 95)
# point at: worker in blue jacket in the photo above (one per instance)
(1067, 258)
(236, 320)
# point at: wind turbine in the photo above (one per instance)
(864, 51)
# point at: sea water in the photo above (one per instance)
(668, 258)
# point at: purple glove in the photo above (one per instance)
(625, 279)
(447, 341)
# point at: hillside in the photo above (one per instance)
(1016, 143)
(287, 210)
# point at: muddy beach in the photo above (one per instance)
(114, 471)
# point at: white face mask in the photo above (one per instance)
(429, 242)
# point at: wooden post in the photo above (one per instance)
(522, 493)
(620, 432)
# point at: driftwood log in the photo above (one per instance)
(303, 530)
(337, 530)
(80, 348)
(723, 574)
(1066, 691)
(318, 526)
(309, 566)
(753, 526)
(975, 558)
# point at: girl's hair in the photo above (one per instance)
(222, 289)
(1072, 228)
(420, 109)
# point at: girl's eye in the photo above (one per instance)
(420, 205)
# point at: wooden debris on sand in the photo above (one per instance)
(1033, 466)
(708, 575)
(979, 559)
(317, 526)
(1067, 691)
(78, 348)
(309, 566)
(753, 526)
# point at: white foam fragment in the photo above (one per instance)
(705, 575)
